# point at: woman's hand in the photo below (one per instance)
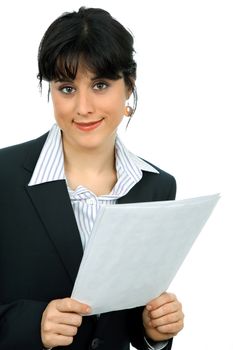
(60, 321)
(163, 317)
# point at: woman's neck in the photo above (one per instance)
(91, 168)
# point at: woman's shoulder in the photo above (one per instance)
(159, 181)
(15, 160)
(157, 170)
(17, 151)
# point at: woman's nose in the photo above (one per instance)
(84, 105)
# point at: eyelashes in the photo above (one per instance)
(97, 86)
(101, 85)
(67, 90)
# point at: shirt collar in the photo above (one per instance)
(50, 164)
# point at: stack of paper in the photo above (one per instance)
(136, 249)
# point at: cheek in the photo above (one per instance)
(121, 108)
(115, 106)
(61, 108)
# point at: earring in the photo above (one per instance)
(128, 110)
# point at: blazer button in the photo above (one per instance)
(95, 343)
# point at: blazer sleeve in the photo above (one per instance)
(172, 189)
(20, 324)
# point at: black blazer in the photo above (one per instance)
(41, 250)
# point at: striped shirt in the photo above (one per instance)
(50, 167)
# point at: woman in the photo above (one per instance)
(52, 188)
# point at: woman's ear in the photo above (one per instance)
(132, 84)
(130, 87)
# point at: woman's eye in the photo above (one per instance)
(67, 90)
(100, 86)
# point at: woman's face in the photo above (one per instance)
(89, 110)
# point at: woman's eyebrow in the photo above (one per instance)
(95, 77)
(92, 78)
(63, 81)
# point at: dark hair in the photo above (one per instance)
(93, 35)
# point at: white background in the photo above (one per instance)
(182, 124)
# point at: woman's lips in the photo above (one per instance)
(88, 126)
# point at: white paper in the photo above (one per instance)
(136, 249)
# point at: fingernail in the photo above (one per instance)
(148, 307)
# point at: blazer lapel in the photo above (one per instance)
(52, 203)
